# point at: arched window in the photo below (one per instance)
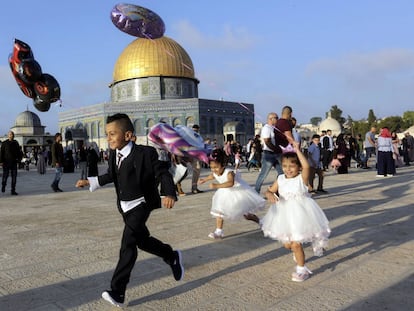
(176, 121)
(150, 123)
(189, 121)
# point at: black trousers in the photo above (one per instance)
(12, 170)
(326, 158)
(135, 235)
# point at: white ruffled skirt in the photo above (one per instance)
(232, 203)
(297, 220)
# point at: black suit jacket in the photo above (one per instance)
(149, 170)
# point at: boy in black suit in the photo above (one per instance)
(134, 170)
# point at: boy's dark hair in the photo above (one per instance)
(219, 156)
(316, 136)
(291, 156)
(57, 135)
(123, 121)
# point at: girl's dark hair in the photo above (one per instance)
(123, 121)
(291, 156)
(219, 156)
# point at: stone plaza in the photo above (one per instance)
(58, 250)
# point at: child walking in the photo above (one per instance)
(294, 217)
(233, 198)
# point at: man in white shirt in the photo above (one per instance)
(271, 151)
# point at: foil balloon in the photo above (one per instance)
(47, 88)
(168, 138)
(41, 87)
(29, 71)
(190, 136)
(137, 21)
(41, 105)
(21, 51)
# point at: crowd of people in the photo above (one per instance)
(147, 178)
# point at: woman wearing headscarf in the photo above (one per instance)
(385, 161)
(342, 154)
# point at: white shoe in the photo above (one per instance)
(213, 235)
(106, 295)
(380, 176)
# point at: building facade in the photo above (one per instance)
(29, 132)
(154, 81)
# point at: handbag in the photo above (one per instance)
(177, 171)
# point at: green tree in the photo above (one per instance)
(394, 123)
(336, 114)
(408, 118)
(372, 119)
(315, 120)
(360, 127)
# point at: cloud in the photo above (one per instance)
(367, 69)
(228, 38)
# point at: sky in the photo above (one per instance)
(309, 54)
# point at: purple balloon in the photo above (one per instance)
(137, 21)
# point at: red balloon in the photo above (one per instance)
(20, 52)
(42, 88)
(29, 71)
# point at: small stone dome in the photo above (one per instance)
(27, 119)
(330, 124)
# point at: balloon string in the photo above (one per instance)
(260, 118)
(252, 112)
(172, 55)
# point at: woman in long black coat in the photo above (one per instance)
(93, 159)
(343, 154)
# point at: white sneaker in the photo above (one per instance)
(380, 176)
(300, 277)
(116, 301)
(213, 235)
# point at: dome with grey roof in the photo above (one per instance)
(27, 119)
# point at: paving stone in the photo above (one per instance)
(58, 250)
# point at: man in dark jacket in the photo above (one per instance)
(10, 156)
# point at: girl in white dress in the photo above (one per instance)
(234, 197)
(294, 217)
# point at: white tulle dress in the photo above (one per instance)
(296, 217)
(233, 202)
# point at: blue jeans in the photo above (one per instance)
(58, 175)
(269, 160)
(368, 152)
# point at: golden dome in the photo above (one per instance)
(153, 57)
